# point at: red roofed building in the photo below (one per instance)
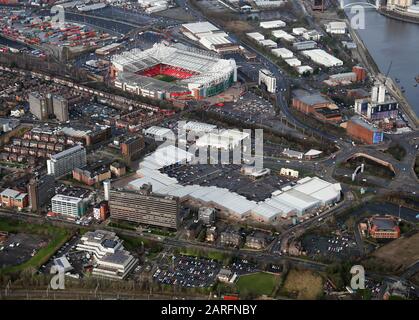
(383, 227)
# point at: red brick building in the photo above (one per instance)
(14, 199)
(383, 227)
(318, 106)
(362, 131)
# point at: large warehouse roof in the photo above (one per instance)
(166, 156)
(307, 194)
(200, 27)
(322, 57)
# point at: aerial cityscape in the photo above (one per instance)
(210, 150)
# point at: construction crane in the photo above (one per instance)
(388, 71)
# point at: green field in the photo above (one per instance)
(57, 236)
(165, 78)
(258, 284)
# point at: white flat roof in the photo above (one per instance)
(62, 197)
(199, 126)
(282, 52)
(322, 57)
(272, 24)
(200, 27)
(168, 155)
(268, 43)
(255, 35)
(302, 69)
(158, 131)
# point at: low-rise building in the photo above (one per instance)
(206, 215)
(272, 24)
(110, 258)
(383, 227)
(118, 169)
(289, 172)
(323, 58)
(224, 275)
(304, 45)
(361, 130)
(211, 234)
(14, 199)
(255, 242)
(336, 27)
(317, 105)
(292, 153)
(230, 238)
(92, 174)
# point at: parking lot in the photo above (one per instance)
(19, 248)
(76, 258)
(243, 266)
(188, 272)
(249, 107)
(335, 247)
(228, 176)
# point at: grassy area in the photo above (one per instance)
(122, 225)
(371, 167)
(210, 254)
(398, 254)
(257, 284)
(57, 236)
(136, 243)
(11, 164)
(165, 78)
(397, 151)
(303, 284)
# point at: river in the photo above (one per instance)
(392, 40)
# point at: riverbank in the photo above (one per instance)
(399, 16)
(374, 70)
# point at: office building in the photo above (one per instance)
(110, 258)
(379, 106)
(64, 162)
(383, 227)
(41, 191)
(69, 206)
(132, 147)
(316, 105)
(363, 131)
(60, 108)
(268, 79)
(14, 199)
(144, 207)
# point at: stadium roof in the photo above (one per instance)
(207, 66)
